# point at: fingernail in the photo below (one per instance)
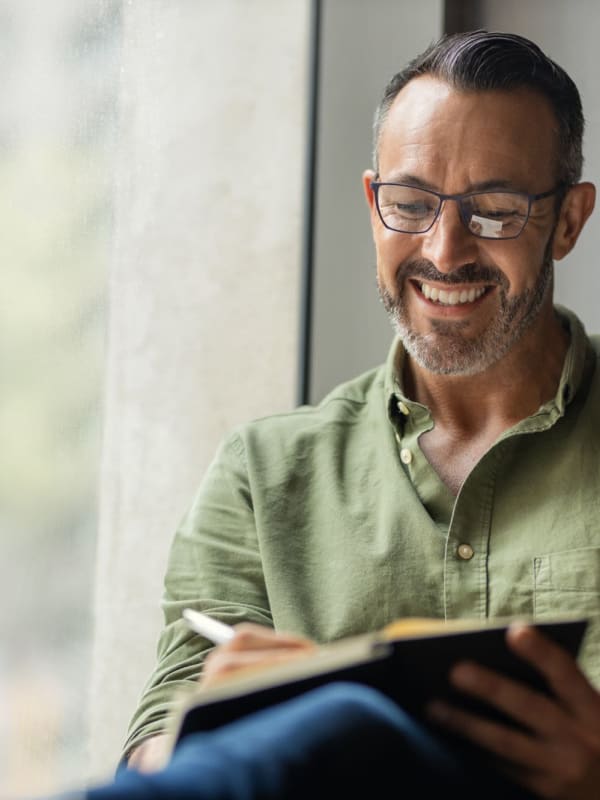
(520, 633)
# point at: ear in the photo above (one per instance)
(367, 177)
(576, 208)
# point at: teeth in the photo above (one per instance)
(451, 298)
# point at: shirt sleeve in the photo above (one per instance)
(215, 567)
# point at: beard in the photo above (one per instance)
(449, 349)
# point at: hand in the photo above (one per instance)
(150, 755)
(252, 647)
(559, 756)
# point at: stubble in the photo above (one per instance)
(448, 349)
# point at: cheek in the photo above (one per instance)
(392, 249)
(519, 260)
(522, 268)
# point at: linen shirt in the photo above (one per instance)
(329, 521)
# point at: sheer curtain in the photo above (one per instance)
(203, 294)
(59, 64)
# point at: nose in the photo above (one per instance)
(448, 244)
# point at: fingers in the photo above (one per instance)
(508, 743)
(530, 708)
(556, 753)
(254, 647)
(560, 670)
(560, 767)
(534, 711)
(541, 714)
(249, 636)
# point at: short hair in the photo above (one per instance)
(484, 61)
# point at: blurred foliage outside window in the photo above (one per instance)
(60, 65)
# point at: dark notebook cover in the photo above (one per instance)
(411, 670)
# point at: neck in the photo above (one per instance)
(508, 391)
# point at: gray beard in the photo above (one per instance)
(446, 351)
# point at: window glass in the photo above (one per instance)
(59, 69)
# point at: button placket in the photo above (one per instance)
(410, 424)
(466, 580)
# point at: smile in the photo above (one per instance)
(451, 297)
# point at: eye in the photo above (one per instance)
(407, 208)
(415, 209)
(501, 206)
(499, 213)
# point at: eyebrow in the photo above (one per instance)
(478, 186)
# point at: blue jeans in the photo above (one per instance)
(342, 740)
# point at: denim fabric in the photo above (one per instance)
(339, 741)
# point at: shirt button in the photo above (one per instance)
(398, 438)
(405, 455)
(403, 408)
(465, 551)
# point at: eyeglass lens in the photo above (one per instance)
(492, 215)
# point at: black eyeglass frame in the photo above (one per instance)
(458, 198)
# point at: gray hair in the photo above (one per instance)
(483, 61)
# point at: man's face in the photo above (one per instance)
(486, 292)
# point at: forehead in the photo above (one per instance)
(441, 134)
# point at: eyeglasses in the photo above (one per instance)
(488, 215)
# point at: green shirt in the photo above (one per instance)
(329, 521)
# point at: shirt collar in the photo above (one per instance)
(578, 363)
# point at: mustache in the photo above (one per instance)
(467, 273)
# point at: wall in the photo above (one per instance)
(362, 46)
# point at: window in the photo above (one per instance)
(59, 64)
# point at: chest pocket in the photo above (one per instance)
(568, 582)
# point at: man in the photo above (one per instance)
(458, 480)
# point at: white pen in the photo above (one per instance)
(217, 632)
